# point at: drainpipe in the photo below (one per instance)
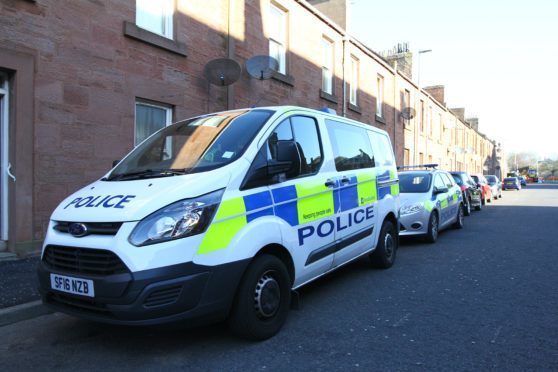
(230, 53)
(345, 50)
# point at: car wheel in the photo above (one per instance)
(383, 256)
(262, 300)
(479, 207)
(460, 220)
(467, 207)
(433, 225)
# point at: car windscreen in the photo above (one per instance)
(475, 178)
(457, 178)
(195, 145)
(414, 182)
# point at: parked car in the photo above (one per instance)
(471, 193)
(496, 186)
(482, 184)
(523, 181)
(511, 183)
(430, 201)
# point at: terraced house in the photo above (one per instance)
(83, 81)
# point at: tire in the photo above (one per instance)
(263, 299)
(383, 256)
(433, 226)
(479, 207)
(460, 221)
(467, 208)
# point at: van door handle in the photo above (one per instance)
(9, 172)
(330, 184)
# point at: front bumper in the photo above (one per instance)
(414, 224)
(186, 291)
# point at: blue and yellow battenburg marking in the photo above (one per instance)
(296, 204)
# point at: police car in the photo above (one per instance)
(223, 216)
(430, 201)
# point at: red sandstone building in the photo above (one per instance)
(82, 82)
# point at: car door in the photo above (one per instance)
(442, 199)
(354, 162)
(304, 198)
(454, 194)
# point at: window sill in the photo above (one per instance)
(328, 97)
(380, 119)
(138, 33)
(287, 79)
(355, 108)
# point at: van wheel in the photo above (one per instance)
(459, 222)
(433, 226)
(383, 256)
(262, 300)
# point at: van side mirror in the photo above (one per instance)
(287, 159)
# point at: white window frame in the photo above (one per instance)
(327, 65)
(166, 108)
(380, 96)
(353, 93)
(278, 37)
(166, 16)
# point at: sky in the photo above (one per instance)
(496, 58)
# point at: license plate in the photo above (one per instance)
(68, 284)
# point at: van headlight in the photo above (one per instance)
(411, 208)
(178, 220)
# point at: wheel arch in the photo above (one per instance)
(281, 253)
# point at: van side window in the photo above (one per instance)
(382, 149)
(304, 131)
(351, 146)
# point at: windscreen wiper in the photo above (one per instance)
(146, 173)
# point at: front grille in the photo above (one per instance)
(78, 303)
(93, 228)
(83, 260)
(163, 297)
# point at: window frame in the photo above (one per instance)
(280, 40)
(380, 86)
(327, 42)
(167, 108)
(355, 75)
(167, 20)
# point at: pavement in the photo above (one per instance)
(19, 298)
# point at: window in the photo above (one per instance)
(406, 157)
(278, 37)
(441, 127)
(304, 131)
(327, 66)
(438, 182)
(405, 103)
(149, 119)
(156, 16)
(448, 180)
(421, 116)
(382, 149)
(421, 158)
(430, 129)
(353, 99)
(380, 98)
(351, 146)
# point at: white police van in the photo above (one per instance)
(223, 215)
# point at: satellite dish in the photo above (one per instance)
(408, 113)
(222, 71)
(262, 67)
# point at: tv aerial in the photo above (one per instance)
(222, 71)
(262, 67)
(408, 113)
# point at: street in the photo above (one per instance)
(481, 298)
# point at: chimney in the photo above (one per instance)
(400, 58)
(437, 92)
(474, 122)
(459, 112)
(336, 10)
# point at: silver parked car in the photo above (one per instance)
(496, 186)
(430, 201)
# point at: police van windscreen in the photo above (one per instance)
(414, 182)
(191, 146)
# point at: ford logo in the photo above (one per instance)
(77, 229)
